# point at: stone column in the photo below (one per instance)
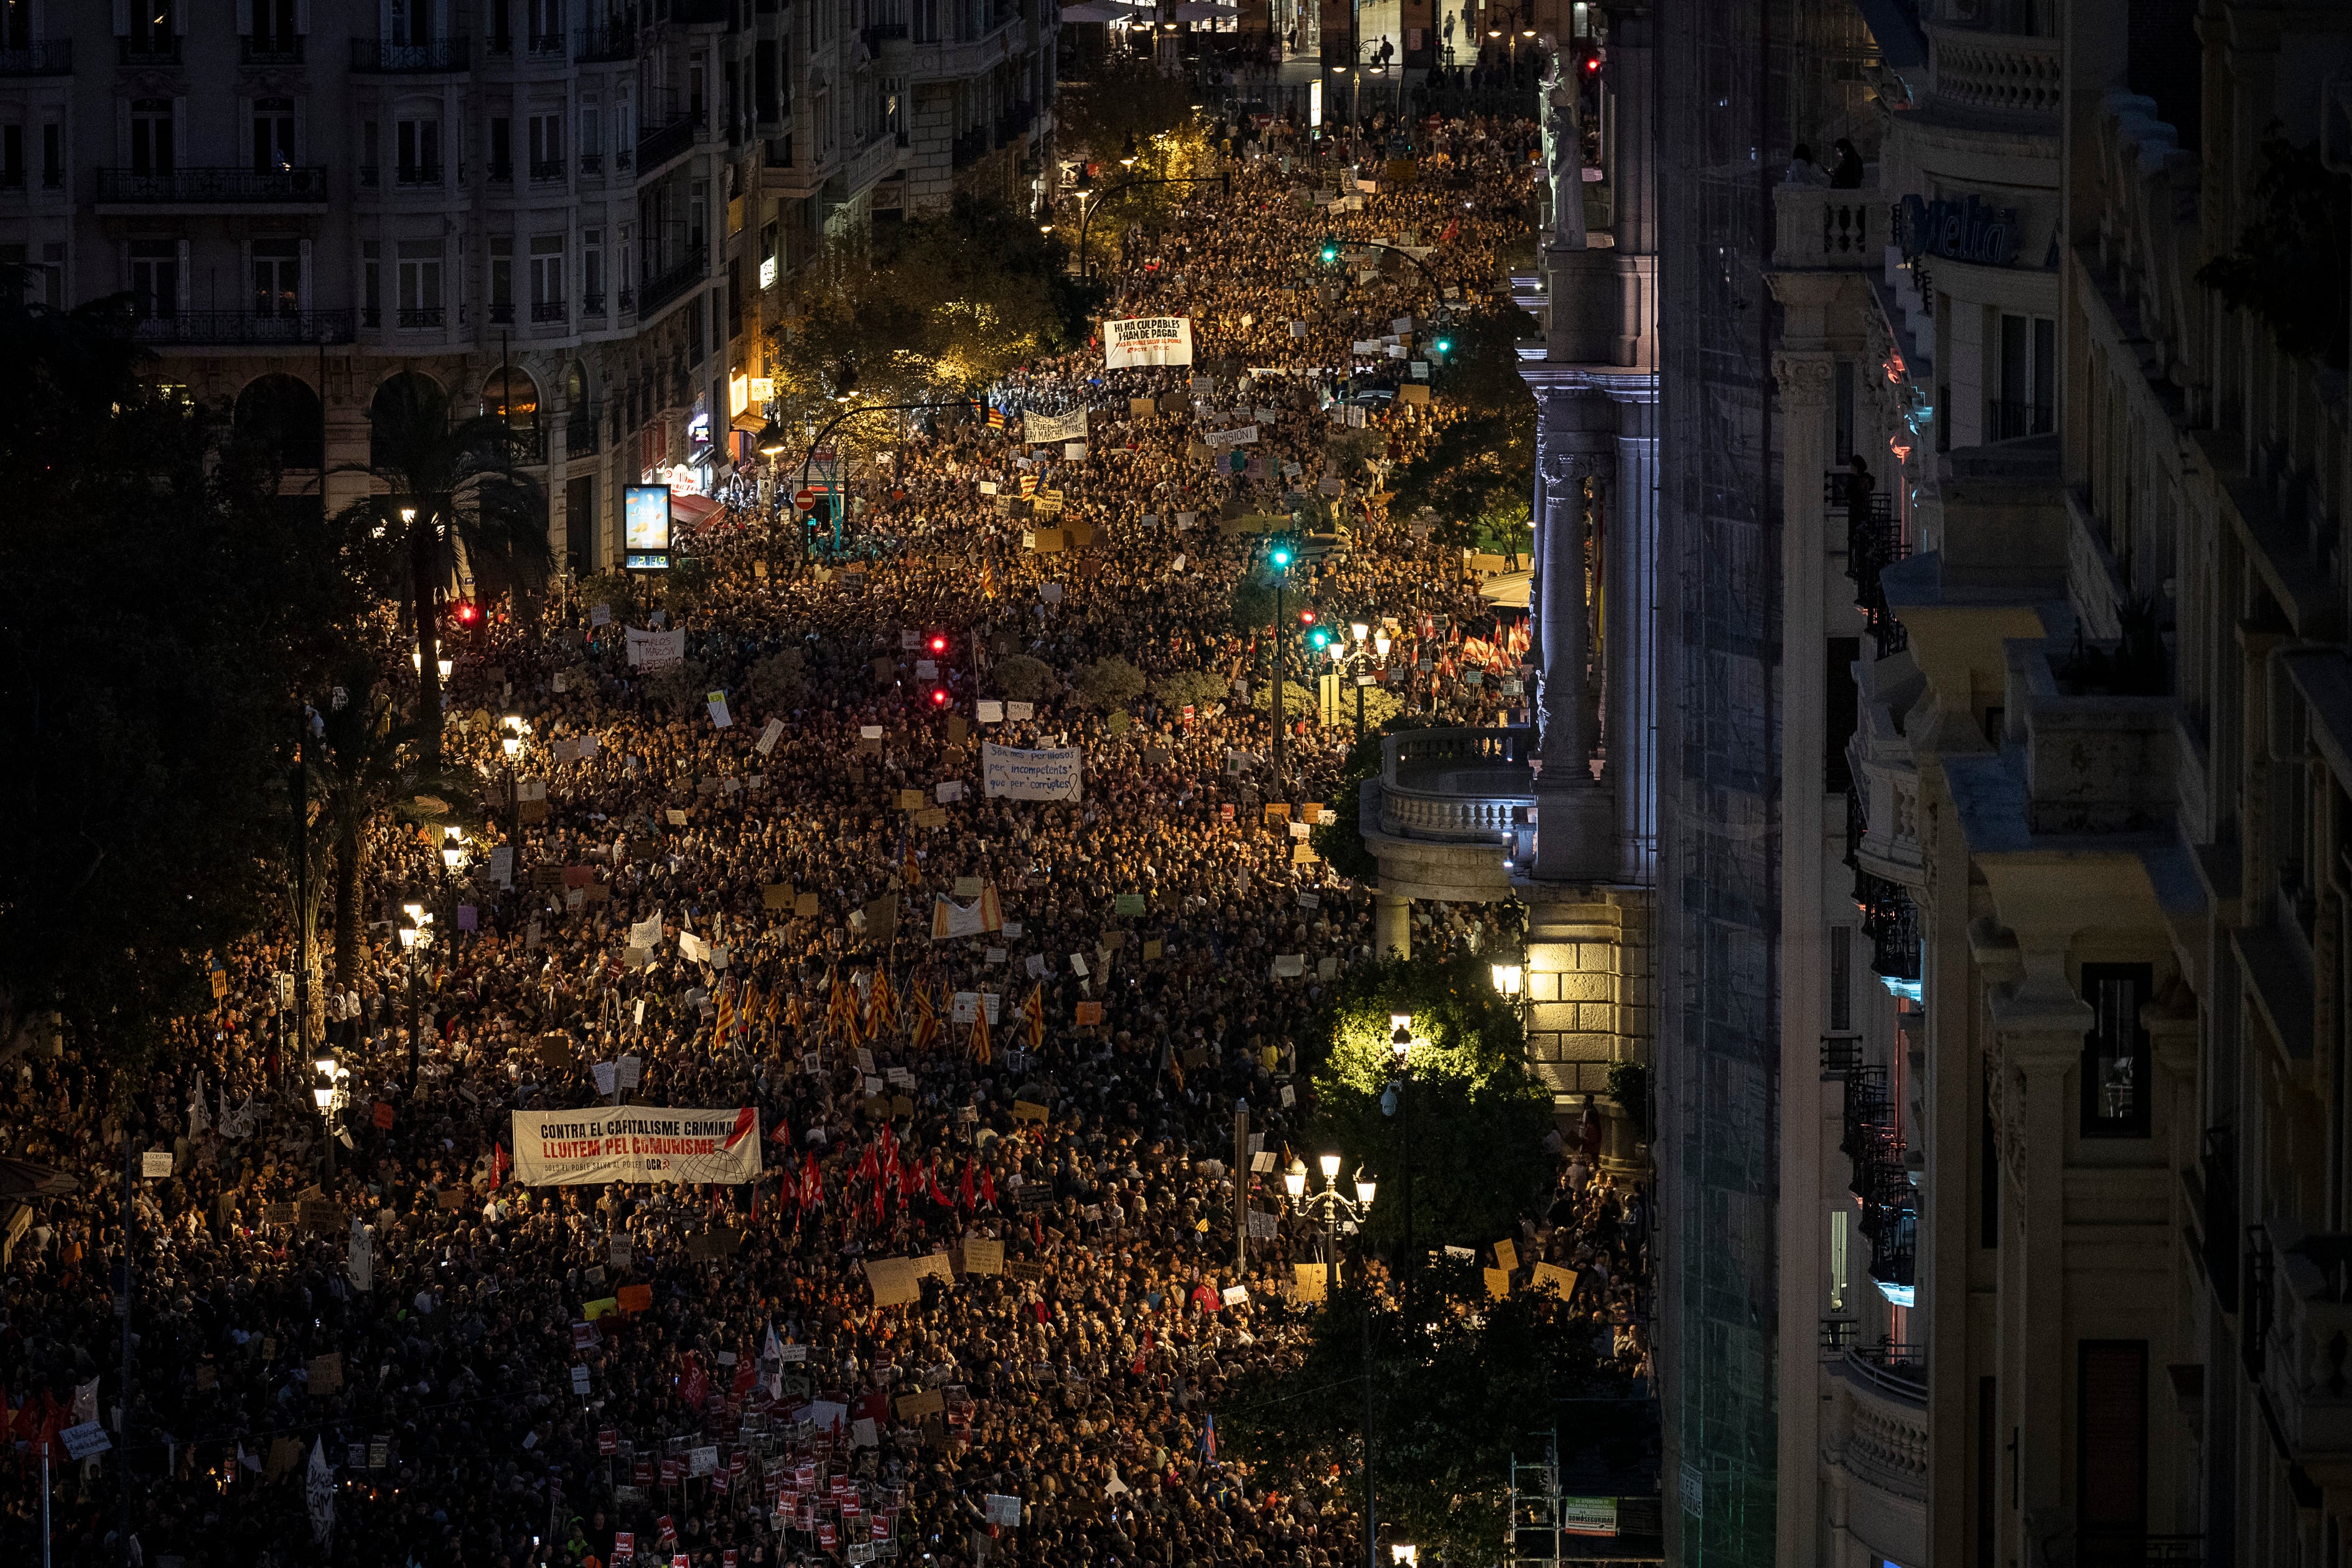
(1391, 925)
(1630, 564)
(1634, 224)
(1575, 829)
(2039, 1027)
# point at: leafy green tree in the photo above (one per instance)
(163, 609)
(1467, 1131)
(1478, 473)
(1122, 99)
(1108, 683)
(451, 483)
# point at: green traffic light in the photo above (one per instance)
(1280, 557)
(1331, 251)
(1444, 345)
(1321, 638)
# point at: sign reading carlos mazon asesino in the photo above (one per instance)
(1043, 772)
(1147, 340)
(635, 1143)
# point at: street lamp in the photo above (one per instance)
(1326, 1206)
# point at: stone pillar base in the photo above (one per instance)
(1391, 926)
(1576, 832)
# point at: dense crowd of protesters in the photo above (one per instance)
(363, 1314)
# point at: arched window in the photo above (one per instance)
(425, 388)
(576, 385)
(512, 396)
(281, 411)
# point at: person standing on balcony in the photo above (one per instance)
(1847, 174)
(1803, 170)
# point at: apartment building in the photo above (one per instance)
(2068, 781)
(571, 213)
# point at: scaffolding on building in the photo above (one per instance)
(1740, 82)
(1532, 1536)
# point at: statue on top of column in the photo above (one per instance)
(1564, 154)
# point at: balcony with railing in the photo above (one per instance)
(604, 44)
(500, 173)
(2014, 76)
(1874, 543)
(503, 312)
(547, 46)
(547, 171)
(149, 50)
(2008, 420)
(232, 328)
(1448, 810)
(383, 56)
(543, 311)
(41, 57)
(1818, 230)
(1874, 1428)
(592, 164)
(271, 49)
(305, 186)
(415, 175)
(656, 148)
(664, 287)
(420, 318)
(2137, 1549)
(591, 307)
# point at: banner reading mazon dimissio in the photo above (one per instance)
(1147, 340)
(635, 1143)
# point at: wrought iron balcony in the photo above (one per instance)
(546, 171)
(502, 314)
(500, 174)
(148, 51)
(417, 174)
(547, 46)
(1874, 543)
(383, 56)
(2137, 1549)
(1891, 920)
(269, 49)
(42, 57)
(239, 327)
(545, 310)
(660, 290)
(592, 305)
(591, 163)
(227, 186)
(1841, 1055)
(656, 148)
(2008, 421)
(603, 45)
(420, 319)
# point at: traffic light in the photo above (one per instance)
(1280, 556)
(1307, 617)
(937, 643)
(1441, 347)
(466, 613)
(1330, 251)
(1318, 639)
(938, 696)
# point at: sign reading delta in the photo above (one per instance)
(635, 1143)
(1147, 340)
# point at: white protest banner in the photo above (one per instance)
(990, 713)
(950, 920)
(1147, 340)
(1044, 772)
(502, 865)
(1239, 436)
(85, 1441)
(719, 718)
(656, 650)
(600, 614)
(1074, 451)
(770, 736)
(635, 1143)
(1018, 711)
(1041, 428)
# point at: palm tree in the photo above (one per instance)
(366, 765)
(451, 484)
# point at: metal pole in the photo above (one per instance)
(1404, 1094)
(1276, 698)
(45, 1506)
(1241, 1190)
(1371, 1525)
(1359, 677)
(130, 1292)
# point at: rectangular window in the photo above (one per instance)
(547, 146)
(2027, 373)
(277, 276)
(420, 283)
(592, 270)
(592, 132)
(419, 149)
(579, 521)
(2110, 1447)
(274, 30)
(1840, 980)
(1841, 702)
(547, 269)
(1840, 1276)
(273, 134)
(52, 156)
(2115, 1086)
(155, 278)
(501, 279)
(12, 156)
(150, 136)
(154, 26)
(501, 147)
(372, 281)
(1842, 408)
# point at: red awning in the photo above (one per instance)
(686, 512)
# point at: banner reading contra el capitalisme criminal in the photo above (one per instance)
(635, 1143)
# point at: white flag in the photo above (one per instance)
(319, 1491)
(361, 1262)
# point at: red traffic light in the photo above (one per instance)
(467, 612)
(1306, 617)
(939, 642)
(938, 696)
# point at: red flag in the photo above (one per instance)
(987, 1186)
(747, 1372)
(963, 1188)
(497, 1165)
(782, 1134)
(812, 1184)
